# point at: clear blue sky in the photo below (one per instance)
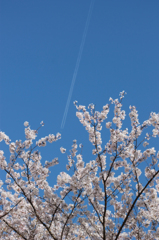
(39, 45)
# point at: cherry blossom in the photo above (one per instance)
(114, 195)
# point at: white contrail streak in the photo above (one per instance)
(77, 63)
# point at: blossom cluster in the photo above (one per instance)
(114, 196)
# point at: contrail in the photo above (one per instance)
(77, 63)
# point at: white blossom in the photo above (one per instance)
(108, 124)
(63, 150)
(113, 196)
(26, 124)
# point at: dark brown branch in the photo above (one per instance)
(128, 214)
(15, 230)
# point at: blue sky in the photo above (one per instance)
(39, 45)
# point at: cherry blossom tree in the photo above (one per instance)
(115, 196)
